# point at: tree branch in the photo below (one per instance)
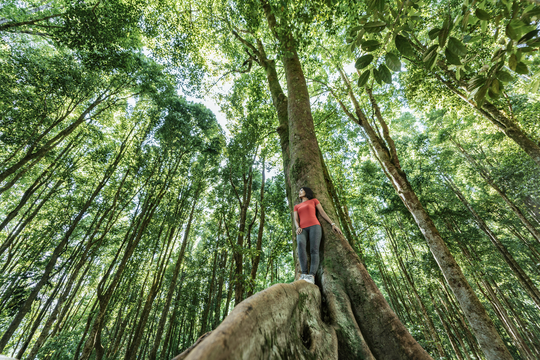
(234, 187)
(30, 22)
(343, 107)
(386, 132)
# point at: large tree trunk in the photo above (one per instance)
(352, 296)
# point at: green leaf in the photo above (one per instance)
(511, 33)
(351, 48)
(519, 26)
(531, 13)
(385, 74)
(377, 76)
(403, 46)
(430, 63)
(497, 54)
(521, 68)
(534, 42)
(474, 39)
(359, 39)
(443, 35)
(519, 55)
(457, 20)
(512, 62)
(370, 45)
(363, 79)
(482, 14)
(504, 76)
(392, 61)
(492, 94)
(363, 61)
(465, 20)
(528, 36)
(374, 26)
(433, 33)
(495, 86)
(452, 58)
(430, 53)
(354, 30)
(480, 95)
(494, 69)
(475, 82)
(534, 86)
(376, 4)
(473, 20)
(457, 47)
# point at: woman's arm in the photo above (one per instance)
(325, 217)
(298, 228)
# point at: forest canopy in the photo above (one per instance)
(134, 220)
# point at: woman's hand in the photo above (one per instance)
(296, 221)
(325, 217)
(336, 229)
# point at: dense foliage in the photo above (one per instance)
(132, 222)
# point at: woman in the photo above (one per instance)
(308, 227)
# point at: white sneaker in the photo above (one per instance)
(308, 278)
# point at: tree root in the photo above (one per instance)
(281, 322)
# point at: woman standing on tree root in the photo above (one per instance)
(308, 227)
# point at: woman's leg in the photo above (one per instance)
(302, 254)
(315, 235)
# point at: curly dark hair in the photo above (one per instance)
(309, 193)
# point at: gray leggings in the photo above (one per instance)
(314, 233)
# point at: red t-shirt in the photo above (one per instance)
(307, 213)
